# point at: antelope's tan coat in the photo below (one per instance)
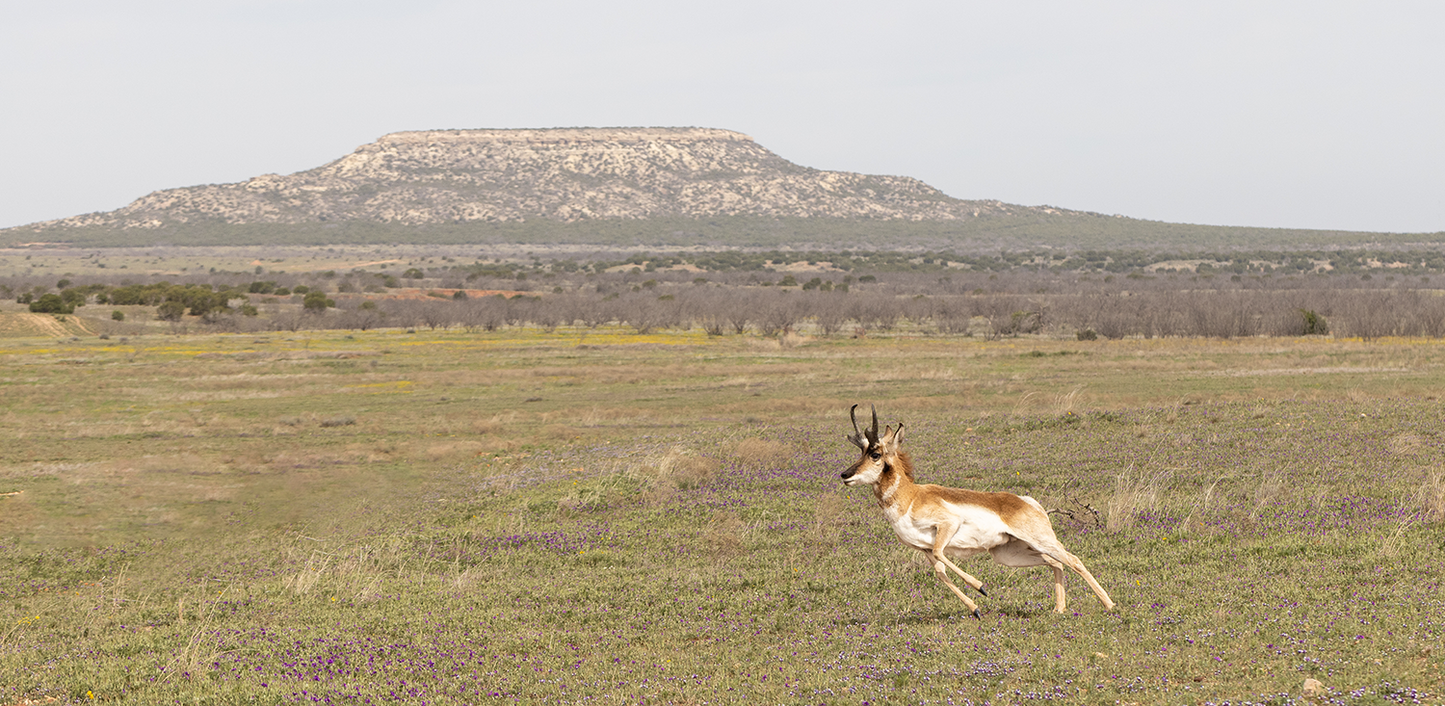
(951, 522)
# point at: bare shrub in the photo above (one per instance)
(1420, 313)
(645, 311)
(829, 311)
(874, 311)
(485, 313)
(999, 312)
(361, 315)
(546, 314)
(738, 312)
(952, 315)
(1368, 314)
(1224, 315)
(1110, 316)
(777, 314)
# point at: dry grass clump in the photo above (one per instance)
(487, 426)
(309, 575)
(453, 451)
(761, 452)
(790, 339)
(828, 519)
(691, 471)
(1134, 492)
(678, 469)
(355, 572)
(725, 535)
(1271, 486)
(1430, 497)
(1406, 444)
(1066, 402)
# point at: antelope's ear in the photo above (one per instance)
(896, 438)
(889, 438)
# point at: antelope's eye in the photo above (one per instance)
(875, 455)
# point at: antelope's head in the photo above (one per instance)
(878, 452)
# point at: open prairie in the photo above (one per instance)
(574, 515)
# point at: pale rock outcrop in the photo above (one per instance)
(571, 174)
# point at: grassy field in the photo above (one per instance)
(595, 515)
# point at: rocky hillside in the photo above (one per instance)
(560, 175)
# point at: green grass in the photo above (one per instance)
(523, 517)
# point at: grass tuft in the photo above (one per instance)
(1135, 492)
(761, 453)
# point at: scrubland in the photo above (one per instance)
(598, 515)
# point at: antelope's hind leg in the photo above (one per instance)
(1021, 554)
(1056, 557)
(1059, 599)
(1078, 567)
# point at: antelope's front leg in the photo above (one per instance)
(941, 564)
(942, 535)
(938, 568)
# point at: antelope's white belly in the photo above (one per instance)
(978, 530)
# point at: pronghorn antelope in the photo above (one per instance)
(943, 522)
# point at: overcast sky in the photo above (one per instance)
(1307, 114)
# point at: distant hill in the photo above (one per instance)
(616, 187)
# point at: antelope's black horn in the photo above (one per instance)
(873, 433)
(857, 437)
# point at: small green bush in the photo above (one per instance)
(51, 304)
(171, 310)
(317, 302)
(1314, 324)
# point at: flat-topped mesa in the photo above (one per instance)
(528, 155)
(562, 135)
(558, 174)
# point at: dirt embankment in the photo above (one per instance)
(19, 323)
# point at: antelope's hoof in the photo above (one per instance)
(982, 592)
(977, 615)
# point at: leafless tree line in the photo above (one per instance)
(958, 303)
(723, 311)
